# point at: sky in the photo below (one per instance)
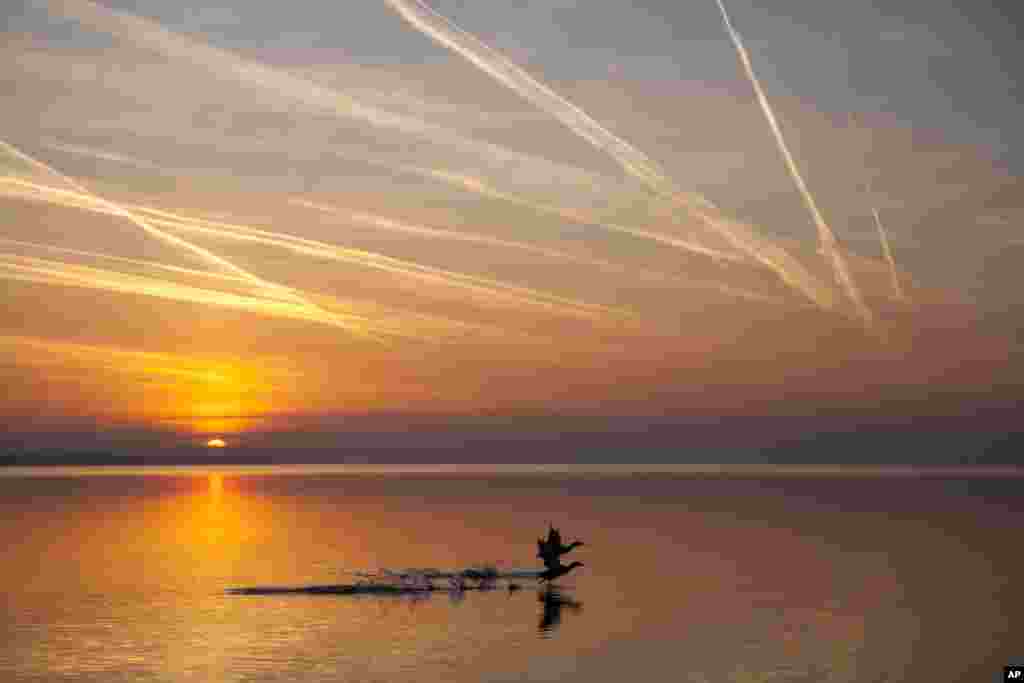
(621, 226)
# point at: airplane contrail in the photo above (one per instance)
(206, 274)
(430, 273)
(390, 224)
(447, 34)
(480, 187)
(777, 259)
(482, 287)
(468, 283)
(883, 237)
(154, 36)
(739, 236)
(825, 234)
(407, 326)
(58, 272)
(398, 226)
(386, 324)
(50, 271)
(489, 292)
(148, 228)
(172, 220)
(178, 221)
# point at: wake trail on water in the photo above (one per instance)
(400, 582)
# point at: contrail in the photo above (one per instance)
(403, 326)
(488, 291)
(172, 220)
(119, 210)
(883, 237)
(480, 187)
(389, 224)
(767, 254)
(444, 32)
(466, 282)
(48, 271)
(131, 261)
(512, 76)
(491, 291)
(177, 221)
(87, 200)
(58, 272)
(398, 226)
(825, 234)
(738, 236)
(152, 35)
(447, 278)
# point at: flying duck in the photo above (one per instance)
(551, 549)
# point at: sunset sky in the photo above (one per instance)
(286, 224)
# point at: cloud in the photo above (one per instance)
(918, 40)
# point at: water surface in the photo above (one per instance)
(687, 578)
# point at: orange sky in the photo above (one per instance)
(197, 235)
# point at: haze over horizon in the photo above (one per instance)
(548, 231)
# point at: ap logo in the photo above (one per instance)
(1013, 673)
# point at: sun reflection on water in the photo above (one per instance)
(218, 520)
(216, 486)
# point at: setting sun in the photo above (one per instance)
(216, 443)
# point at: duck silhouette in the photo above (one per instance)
(551, 549)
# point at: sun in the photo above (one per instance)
(216, 443)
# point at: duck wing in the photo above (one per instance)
(569, 548)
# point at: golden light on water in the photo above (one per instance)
(216, 482)
(213, 520)
(215, 443)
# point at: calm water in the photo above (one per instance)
(687, 579)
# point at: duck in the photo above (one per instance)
(551, 549)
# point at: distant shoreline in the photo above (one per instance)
(133, 465)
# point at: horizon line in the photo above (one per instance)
(609, 469)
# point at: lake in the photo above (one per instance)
(688, 576)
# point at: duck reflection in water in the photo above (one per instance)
(553, 602)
